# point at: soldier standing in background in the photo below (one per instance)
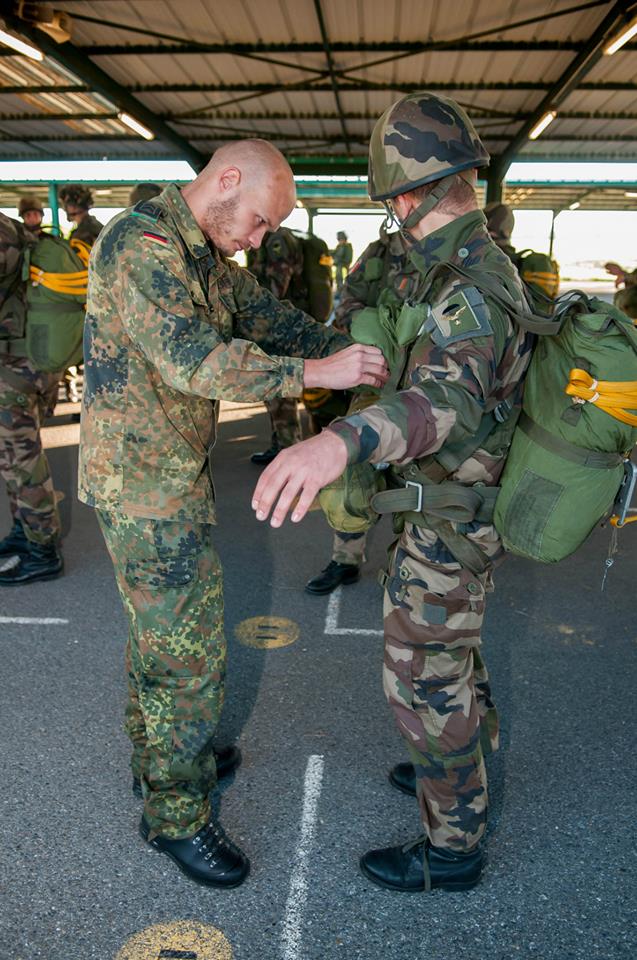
(31, 211)
(626, 294)
(539, 271)
(172, 327)
(76, 199)
(383, 274)
(143, 191)
(343, 256)
(461, 360)
(276, 264)
(31, 551)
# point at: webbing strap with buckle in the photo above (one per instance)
(448, 501)
(597, 459)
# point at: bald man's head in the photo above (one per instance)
(246, 190)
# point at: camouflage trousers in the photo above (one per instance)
(286, 424)
(437, 686)
(170, 581)
(23, 463)
(349, 548)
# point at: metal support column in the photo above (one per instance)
(552, 238)
(55, 208)
(311, 213)
(494, 183)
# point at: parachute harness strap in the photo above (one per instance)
(615, 398)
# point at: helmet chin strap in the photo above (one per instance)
(442, 188)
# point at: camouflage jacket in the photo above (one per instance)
(382, 272)
(88, 230)
(472, 358)
(343, 254)
(171, 328)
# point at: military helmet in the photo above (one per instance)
(421, 138)
(76, 194)
(143, 191)
(500, 220)
(30, 201)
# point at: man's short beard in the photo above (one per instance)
(220, 219)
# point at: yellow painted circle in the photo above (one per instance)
(267, 632)
(179, 940)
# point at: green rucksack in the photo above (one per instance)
(15, 243)
(56, 298)
(577, 429)
(317, 276)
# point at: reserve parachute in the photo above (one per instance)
(56, 295)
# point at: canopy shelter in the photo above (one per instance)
(132, 80)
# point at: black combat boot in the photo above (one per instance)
(15, 541)
(41, 562)
(226, 758)
(417, 866)
(266, 456)
(332, 577)
(403, 777)
(208, 857)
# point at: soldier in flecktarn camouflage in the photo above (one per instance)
(449, 418)
(173, 327)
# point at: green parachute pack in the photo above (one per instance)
(56, 298)
(568, 462)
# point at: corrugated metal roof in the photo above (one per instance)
(263, 70)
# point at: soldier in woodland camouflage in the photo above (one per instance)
(277, 262)
(77, 201)
(458, 361)
(343, 255)
(382, 274)
(172, 327)
(30, 551)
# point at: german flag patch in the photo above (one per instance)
(156, 238)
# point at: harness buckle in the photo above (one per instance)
(418, 486)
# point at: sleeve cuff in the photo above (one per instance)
(292, 373)
(350, 436)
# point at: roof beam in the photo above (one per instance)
(326, 139)
(100, 82)
(257, 89)
(263, 49)
(571, 79)
(330, 66)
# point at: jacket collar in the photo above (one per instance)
(463, 241)
(189, 229)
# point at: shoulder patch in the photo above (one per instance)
(462, 315)
(148, 209)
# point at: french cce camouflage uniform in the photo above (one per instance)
(172, 327)
(462, 372)
(435, 680)
(382, 274)
(275, 264)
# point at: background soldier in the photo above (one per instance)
(460, 358)
(31, 550)
(76, 199)
(343, 256)
(626, 295)
(172, 327)
(383, 274)
(31, 211)
(539, 271)
(143, 191)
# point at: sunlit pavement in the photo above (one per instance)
(317, 741)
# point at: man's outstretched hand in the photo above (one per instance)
(350, 367)
(299, 471)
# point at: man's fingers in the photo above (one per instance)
(286, 498)
(305, 501)
(270, 484)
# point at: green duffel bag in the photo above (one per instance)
(346, 501)
(578, 426)
(56, 298)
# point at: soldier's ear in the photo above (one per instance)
(230, 178)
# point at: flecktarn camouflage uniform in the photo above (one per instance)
(173, 327)
(466, 357)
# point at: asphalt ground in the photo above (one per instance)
(317, 738)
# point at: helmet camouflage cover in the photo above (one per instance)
(30, 201)
(76, 194)
(420, 138)
(500, 220)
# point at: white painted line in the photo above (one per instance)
(44, 621)
(297, 896)
(332, 628)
